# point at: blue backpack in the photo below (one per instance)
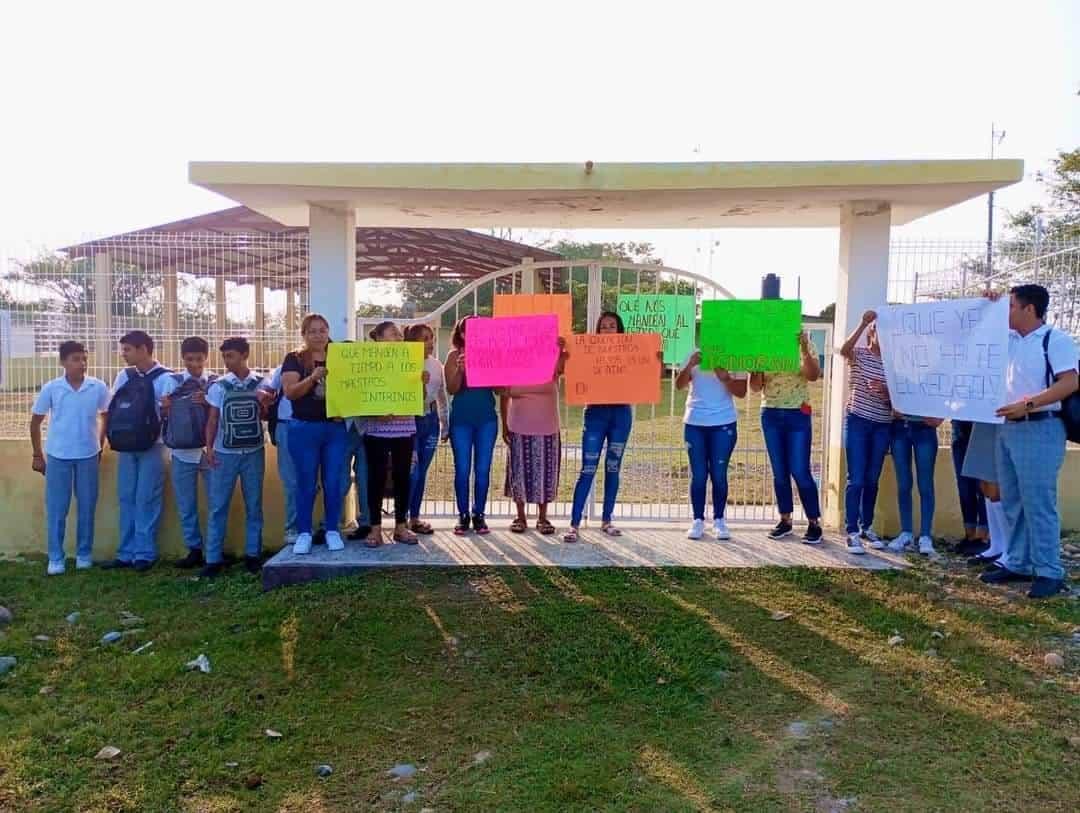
(133, 422)
(185, 426)
(241, 415)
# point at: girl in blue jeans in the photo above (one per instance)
(868, 432)
(710, 430)
(786, 426)
(431, 427)
(474, 428)
(915, 437)
(604, 423)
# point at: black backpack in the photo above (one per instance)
(1070, 406)
(185, 425)
(133, 422)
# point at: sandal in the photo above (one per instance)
(374, 538)
(416, 526)
(518, 526)
(545, 527)
(570, 536)
(406, 538)
(610, 530)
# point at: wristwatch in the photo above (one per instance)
(1029, 406)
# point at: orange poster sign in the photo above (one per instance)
(530, 304)
(613, 368)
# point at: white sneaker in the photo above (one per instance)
(697, 529)
(720, 529)
(854, 544)
(83, 564)
(56, 568)
(333, 541)
(876, 542)
(926, 546)
(901, 543)
(302, 544)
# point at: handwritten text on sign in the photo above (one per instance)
(613, 368)
(751, 335)
(670, 316)
(374, 378)
(511, 351)
(946, 359)
(531, 304)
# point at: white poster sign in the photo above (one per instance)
(946, 359)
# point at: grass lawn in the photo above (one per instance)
(589, 690)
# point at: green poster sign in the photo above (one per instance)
(751, 335)
(669, 315)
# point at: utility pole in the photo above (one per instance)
(996, 137)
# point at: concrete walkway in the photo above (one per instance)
(641, 545)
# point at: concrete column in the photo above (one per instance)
(170, 350)
(862, 284)
(221, 314)
(259, 354)
(593, 299)
(332, 261)
(291, 325)
(105, 347)
(528, 277)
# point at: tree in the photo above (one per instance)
(828, 312)
(71, 284)
(1062, 220)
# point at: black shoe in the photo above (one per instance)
(812, 535)
(319, 538)
(480, 524)
(462, 526)
(1001, 575)
(1044, 587)
(971, 547)
(116, 564)
(781, 530)
(253, 564)
(193, 559)
(976, 561)
(142, 565)
(361, 533)
(212, 571)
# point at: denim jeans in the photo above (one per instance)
(249, 469)
(317, 447)
(865, 444)
(972, 501)
(919, 440)
(185, 480)
(474, 448)
(603, 423)
(62, 479)
(356, 459)
(1029, 457)
(709, 449)
(427, 443)
(287, 474)
(140, 484)
(787, 438)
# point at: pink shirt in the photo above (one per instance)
(534, 410)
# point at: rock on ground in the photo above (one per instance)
(5, 616)
(7, 663)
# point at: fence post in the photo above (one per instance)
(170, 352)
(593, 304)
(104, 341)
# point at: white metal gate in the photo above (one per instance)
(655, 475)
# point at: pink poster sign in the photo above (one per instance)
(511, 351)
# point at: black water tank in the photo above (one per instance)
(770, 286)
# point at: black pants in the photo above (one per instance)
(397, 452)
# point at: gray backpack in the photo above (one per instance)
(185, 428)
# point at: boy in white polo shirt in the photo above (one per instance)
(235, 451)
(74, 403)
(1041, 372)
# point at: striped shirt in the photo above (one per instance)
(866, 368)
(397, 427)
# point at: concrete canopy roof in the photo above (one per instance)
(668, 195)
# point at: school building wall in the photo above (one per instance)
(23, 512)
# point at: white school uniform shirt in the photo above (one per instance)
(1025, 374)
(216, 397)
(73, 416)
(709, 403)
(186, 455)
(435, 391)
(160, 383)
(284, 408)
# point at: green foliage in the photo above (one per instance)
(1062, 221)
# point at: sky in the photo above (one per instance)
(105, 103)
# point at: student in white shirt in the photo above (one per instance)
(187, 464)
(140, 476)
(74, 403)
(1041, 372)
(710, 430)
(431, 428)
(285, 467)
(235, 451)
